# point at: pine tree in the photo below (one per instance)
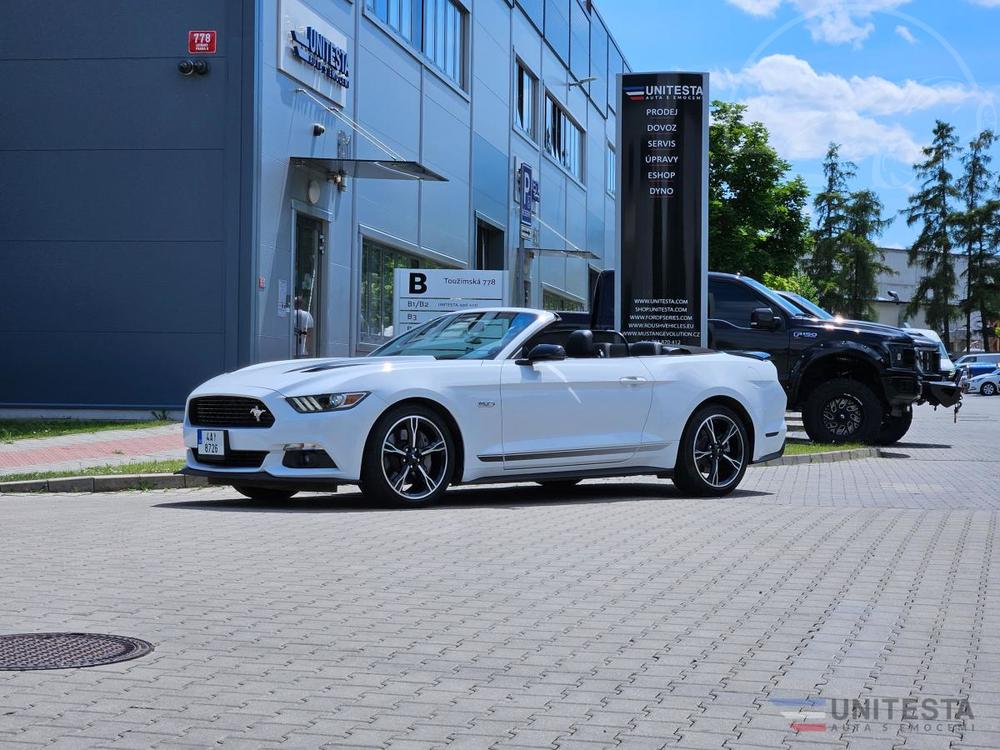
(831, 223)
(973, 227)
(931, 208)
(861, 259)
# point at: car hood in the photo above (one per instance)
(302, 377)
(854, 327)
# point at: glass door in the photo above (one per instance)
(307, 312)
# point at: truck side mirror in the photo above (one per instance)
(763, 319)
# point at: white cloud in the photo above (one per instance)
(986, 3)
(805, 110)
(906, 34)
(832, 21)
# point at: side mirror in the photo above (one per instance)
(543, 353)
(763, 319)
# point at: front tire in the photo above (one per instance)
(714, 453)
(409, 458)
(265, 494)
(843, 411)
(894, 428)
(988, 389)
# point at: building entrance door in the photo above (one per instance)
(307, 304)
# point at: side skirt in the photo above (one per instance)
(555, 476)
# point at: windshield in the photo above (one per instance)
(471, 335)
(807, 306)
(775, 299)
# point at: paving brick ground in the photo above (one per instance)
(109, 447)
(624, 616)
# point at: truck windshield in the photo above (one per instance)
(471, 335)
(807, 306)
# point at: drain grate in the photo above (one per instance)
(24, 651)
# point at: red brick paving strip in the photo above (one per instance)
(11, 457)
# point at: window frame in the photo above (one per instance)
(611, 169)
(531, 133)
(557, 127)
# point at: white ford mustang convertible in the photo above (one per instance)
(482, 396)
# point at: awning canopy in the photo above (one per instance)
(379, 169)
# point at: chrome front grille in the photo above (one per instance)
(229, 411)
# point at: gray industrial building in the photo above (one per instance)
(185, 183)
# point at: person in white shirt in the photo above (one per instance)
(304, 327)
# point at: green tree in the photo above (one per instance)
(757, 217)
(861, 260)
(831, 206)
(975, 230)
(931, 209)
(797, 283)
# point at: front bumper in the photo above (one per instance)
(341, 434)
(941, 393)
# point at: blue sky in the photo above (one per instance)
(872, 75)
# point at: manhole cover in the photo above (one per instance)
(24, 651)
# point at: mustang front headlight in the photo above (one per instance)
(326, 402)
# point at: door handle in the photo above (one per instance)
(632, 380)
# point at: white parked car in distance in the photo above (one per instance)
(483, 396)
(987, 385)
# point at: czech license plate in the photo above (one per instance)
(212, 443)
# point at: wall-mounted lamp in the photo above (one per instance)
(338, 179)
(318, 129)
(582, 81)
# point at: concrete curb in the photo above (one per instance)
(825, 458)
(107, 483)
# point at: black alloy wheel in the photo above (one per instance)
(714, 453)
(843, 411)
(409, 458)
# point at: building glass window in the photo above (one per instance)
(524, 114)
(579, 50)
(558, 303)
(378, 266)
(611, 170)
(444, 37)
(563, 138)
(435, 27)
(402, 16)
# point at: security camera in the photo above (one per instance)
(185, 67)
(201, 67)
(318, 129)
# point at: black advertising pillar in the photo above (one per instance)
(662, 274)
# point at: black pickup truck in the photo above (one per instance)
(853, 381)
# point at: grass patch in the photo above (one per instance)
(802, 449)
(22, 429)
(138, 467)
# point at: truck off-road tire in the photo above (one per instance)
(988, 389)
(264, 494)
(409, 458)
(894, 428)
(713, 454)
(843, 411)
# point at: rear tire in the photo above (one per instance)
(410, 457)
(843, 411)
(894, 428)
(988, 389)
(713, 454)
(265, 494)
